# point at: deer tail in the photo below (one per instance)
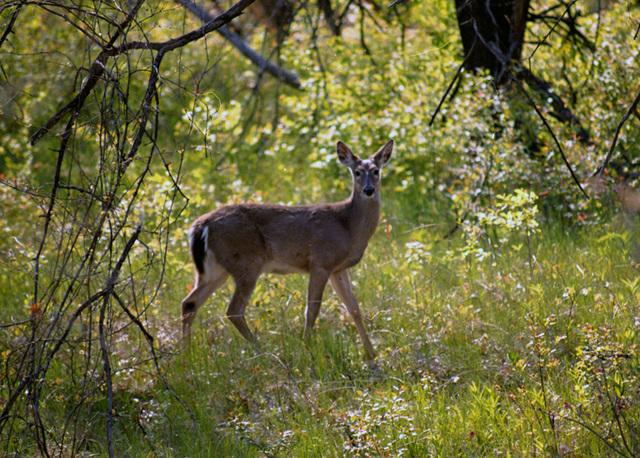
(198, 237)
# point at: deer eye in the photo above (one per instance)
(357, 173)
(376, 173)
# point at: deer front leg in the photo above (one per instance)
(317, 281)
(342, 286)
(205, 285)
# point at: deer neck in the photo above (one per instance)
(363, 216)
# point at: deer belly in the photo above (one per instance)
(283, 268)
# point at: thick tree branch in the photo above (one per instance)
(505, 63)
(561, 111)
(236, 40)
(330, 16)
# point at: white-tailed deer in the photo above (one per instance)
(247, 240)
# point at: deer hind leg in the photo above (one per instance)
(342, 286)
(317, 282)
(206, 283)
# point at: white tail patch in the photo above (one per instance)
(205, 238)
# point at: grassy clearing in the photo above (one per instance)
(491, 357)
(499, 340)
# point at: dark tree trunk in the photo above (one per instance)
(330, 16)
(492, 33)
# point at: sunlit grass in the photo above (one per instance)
(513, 352)
(494, 361)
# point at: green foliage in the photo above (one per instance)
(515, 212)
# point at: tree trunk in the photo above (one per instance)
(490, 27)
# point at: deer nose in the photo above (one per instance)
(368, 191)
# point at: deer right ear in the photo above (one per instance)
(346, 156)
(383, 155)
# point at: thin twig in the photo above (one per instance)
(630, 111)
(4, 415)
(453, 81)
(12, 21)
(598, 435)
(107, 373)
(98, 67)
(505, 63)
(149, 339)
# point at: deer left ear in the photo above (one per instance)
(383, 155)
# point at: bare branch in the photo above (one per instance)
(149, 339)
(507, 68)
(17, 392)
(98, 67)
(9, 28)
(329, 16)
(500, 56)
(453, 81)
(632, 109)
(107, 374)
(236, 40)
(562, 112)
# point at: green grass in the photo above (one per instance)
(476, 358)
(514, 354)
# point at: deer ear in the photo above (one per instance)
(383, 155)
(346, 156)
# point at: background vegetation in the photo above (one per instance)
(504, 303)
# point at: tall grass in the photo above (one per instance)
(500, 351)
(477, 358)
